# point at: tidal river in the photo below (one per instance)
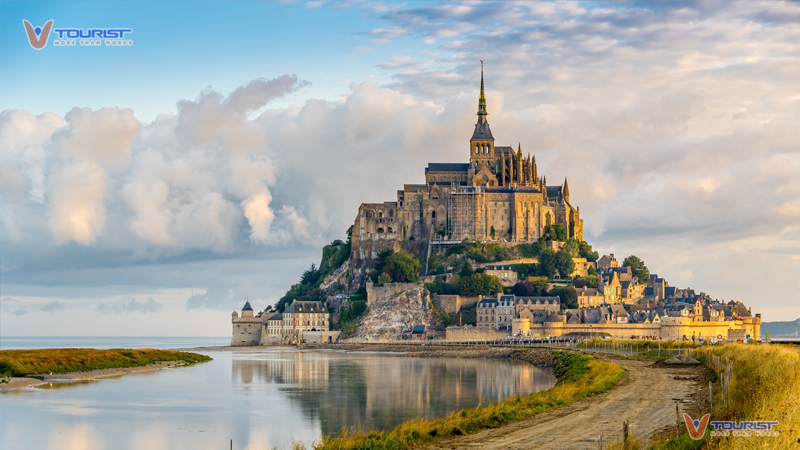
(259, 399)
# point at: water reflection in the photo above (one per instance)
(258, 399)
(381, 391)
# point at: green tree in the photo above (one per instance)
(491, 232)
(568, 295)
(556, 232)
(402, 267)
(479, 284)
(572, 247)
(384, 278)
(564, 263)
(379, 264)
(466, 270)
(547, 263)
(310, 276)
(540, 285)
(585, 250)
(638, 269)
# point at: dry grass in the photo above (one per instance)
(579, 376)
(18, 363)
(765, 386)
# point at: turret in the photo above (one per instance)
(247, 310)
(565, 190)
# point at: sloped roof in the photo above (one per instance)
(482, 131)
(418, 329)
(488, 302)
(304, 307)
(247, 307)
(447, 167)
(552, 319)
(278, 316)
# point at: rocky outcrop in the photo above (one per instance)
(391, 315)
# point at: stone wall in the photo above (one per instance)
(247, 330)
(452, 304)
(469, 332)
(379, 293)
(321, 337)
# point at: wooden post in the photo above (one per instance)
(711, 397)
(699, 408)
(601, 441)
(231, 444)
(625, 432)
(677, 418)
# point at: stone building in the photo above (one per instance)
(498, 195)
(300, 321)
(247, 328)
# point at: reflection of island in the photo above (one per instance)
(379, 391)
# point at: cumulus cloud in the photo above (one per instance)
(676, 124)
(128, 306)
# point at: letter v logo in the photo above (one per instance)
(38, 36)
(696, 428)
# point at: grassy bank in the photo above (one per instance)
(17, 363)
(579, 376)
(764, 386)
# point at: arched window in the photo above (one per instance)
(380, 215)
(391, 213)
(433, 214)
(390, 230)
(380, 230)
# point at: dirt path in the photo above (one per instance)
(646, 397)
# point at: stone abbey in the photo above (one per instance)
(498, 195)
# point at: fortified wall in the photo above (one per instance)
(470, 332)
(381, 293)
(247, 329)
(452, 304)
(670, 328)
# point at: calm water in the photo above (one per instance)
(260, 399)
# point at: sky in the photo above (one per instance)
(153, 188)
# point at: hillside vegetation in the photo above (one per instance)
(17, 363)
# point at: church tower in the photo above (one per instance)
(481, 146)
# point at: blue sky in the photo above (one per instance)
(210, 162)
(182, 47)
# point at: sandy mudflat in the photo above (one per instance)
(27, 382)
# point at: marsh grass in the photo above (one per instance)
(580, 376)
(17, 363)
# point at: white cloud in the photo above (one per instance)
(676, 125)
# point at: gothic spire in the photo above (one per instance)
(566, 190)
(482, 101)
(482, 130)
